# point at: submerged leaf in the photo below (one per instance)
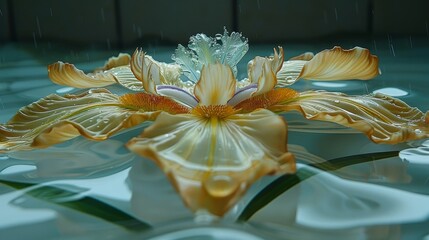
(286, 182)
(85, 204)
(95, 114)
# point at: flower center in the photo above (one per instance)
(152, 102)
(213, 111)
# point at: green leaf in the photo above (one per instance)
(87, 205)
(285, 182)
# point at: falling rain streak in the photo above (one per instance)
(336, 14)
(392, 49)
(103, 18)
(427, 29)
(38, 27)
(34, 40)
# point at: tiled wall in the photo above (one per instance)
(125, 22)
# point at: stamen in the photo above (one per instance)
(266, 100)
(210, 111)
(152, 102)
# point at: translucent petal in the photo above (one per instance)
(67, 74)
(382, 118)
(152, 73)
(115, 69)
(123, 59)
(212, 161)
(202, 50)
(125, 77)
(234, 47)
(333, 64)
(95, 114)
(262, 71)
(307, 56)
(216, 85)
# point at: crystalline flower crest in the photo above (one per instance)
(212, 134)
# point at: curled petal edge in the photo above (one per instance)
(332, 64)
(382, 118)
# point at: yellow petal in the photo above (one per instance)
(152, 73)
(333, 64)
(307, 56)
(95, 114)
(216, 85)
(125, 77)
(67, 74)
(382, 118)
(115, 70)
(263, 71)
(123, 59)
(212, 161)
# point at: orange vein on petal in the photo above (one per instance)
(218, 111)
(266, 100)
(152, 102)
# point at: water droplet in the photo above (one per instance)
(221, 186)
(106, 120)
(418, 131)
(337, 101)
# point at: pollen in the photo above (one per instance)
(211, 111)
(152, 102)
(267, 100)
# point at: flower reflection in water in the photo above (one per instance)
(212, 135)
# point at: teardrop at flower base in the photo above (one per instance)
(95, 114)
(212, 161)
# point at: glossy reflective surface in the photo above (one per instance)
(80, 188)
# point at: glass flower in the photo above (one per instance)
(212, 135)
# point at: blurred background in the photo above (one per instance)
(127, 23)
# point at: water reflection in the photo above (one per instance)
(418, 155)
(327, 204)
(153, 197)
(390, 91)
(78, 158)
(389, 170)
